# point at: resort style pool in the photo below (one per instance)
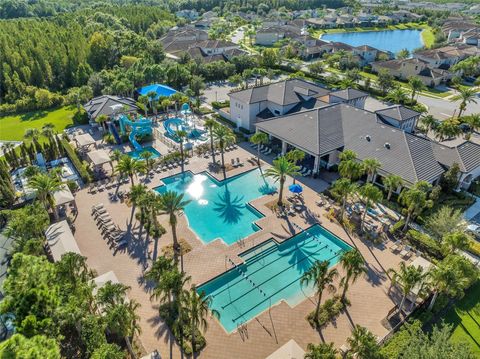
(220, 209)
(387, 40)
(136, 154)
(271, 273)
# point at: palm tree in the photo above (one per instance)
(152, 100)
(211, 124)
(259, 138)
(48, 129)
(128, 166)
(102, 120)
(294, 156)
(224, 137)
(371, 166)
(143, 100)
(354, 265)
(181, 135)
(349, 167)
(407, 277)
(473, 122)
(347, 155)
(415, 85)
(429, 122)
(465, 96)
(44, 186)
(455, 240)
(363, 344)
(281, 168)
(445, 279)
(343, 188)
(172, 203)
(321, 351)
(112, 293)
(391, 183)
(371, 195)
(123, 320)
(322, 278)
(447, 129)
(195, 307)
(147, 157)
(115, 156)
(397, 95)
(415, 201)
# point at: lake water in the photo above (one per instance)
(387, 40)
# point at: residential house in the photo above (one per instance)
(267, 36)
(258, 103)
(453, 29)
(405, 68)
(447, 56)
(400, 117)
(352, 97)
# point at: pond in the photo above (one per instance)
(387, 40)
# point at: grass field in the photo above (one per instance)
(428, 37)
(13, 127)
(465, 317)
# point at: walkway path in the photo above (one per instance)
(473, 210)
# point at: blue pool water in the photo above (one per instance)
(271, 273)
(136, 154)
(388, 40)
(219, 209)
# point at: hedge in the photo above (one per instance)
(225, 121)
(245, 130)
(425, 243)
(81, 169)
(220, 104)
(474, 247)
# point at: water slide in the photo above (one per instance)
(114, 132)
(139, 127)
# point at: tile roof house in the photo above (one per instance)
(400, 117)
(109, 105)
(267, 36)
(353, 97)
(447, 56)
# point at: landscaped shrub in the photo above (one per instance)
(425, 243)
(474, 248)
(397, 227)
(328, 311)
(220, 104)
(245, 130)
(225, 121)
(81, 168)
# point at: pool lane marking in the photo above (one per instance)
(286, 286)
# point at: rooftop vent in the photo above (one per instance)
(387, 145)
(368, 138)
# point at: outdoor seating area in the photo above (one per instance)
(110, 231)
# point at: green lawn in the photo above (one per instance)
(428, 37)
(465, 318)
(13, 127)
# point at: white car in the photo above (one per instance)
(474, 229)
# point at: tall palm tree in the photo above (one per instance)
(294, 156)
(211, 124)
(115, 157)
(415, 201)
(371, 195)
(351, 169)
(195, 308)
(44, 186)
(147, 157)
(259, 138)
(465, 96)
(281, 168)
(343, 188)
(112, 293)
(407, 277)
(322, 278)
(447, 129)
(354, 265)
(181, 135)
(397, 95)
(415, 85)
(444, 279)
(224, 137)
(347, 155)
(122, 320)
(153, 100)
(473, 121)
(391, 183)
(371, 166)
(321, 351)
(429, 122)
(172, 203)
(48, 130)
(128, 166)
(143, 100)
(363, 344)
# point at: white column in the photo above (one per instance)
(316, 165)
(284, 148)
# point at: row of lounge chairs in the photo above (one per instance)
(110, 231)
(105, 184)
(228, 148)
(405, 251)
(263, 149)
(169, 165)
(305, 172)
(236, 163)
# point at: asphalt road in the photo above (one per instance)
(444, 108)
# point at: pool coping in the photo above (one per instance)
(243, 262)
(248, 204)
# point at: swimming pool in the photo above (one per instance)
(220, 209)
(136, 154)
(271, 273)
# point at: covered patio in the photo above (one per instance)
(63, 197)
(60, 240)
(84, 141)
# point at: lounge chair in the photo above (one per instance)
(396, 246)
(268, 152)
(238, 162)
(307, 173)
(406, 252)
(97, 206)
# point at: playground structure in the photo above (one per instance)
(142, 127)
(172, 125)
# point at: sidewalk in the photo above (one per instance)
(473, 210)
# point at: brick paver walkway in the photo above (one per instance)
(268, 331)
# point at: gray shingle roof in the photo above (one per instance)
(398, 112)
(322, 130)
(102, 105)
(349, 94)
(466, 155)
(282, 93)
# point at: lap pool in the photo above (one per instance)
(271, 273)
(220, 209)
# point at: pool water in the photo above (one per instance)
(271, 273)
(220, 209)
(136, 154)
(388, 40)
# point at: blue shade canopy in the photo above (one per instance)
(295, 188)
(161, 90)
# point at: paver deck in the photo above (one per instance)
(271, 329)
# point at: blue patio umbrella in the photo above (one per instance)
(295, 188)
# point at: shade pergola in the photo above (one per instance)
(84, 140)
(104, 278)
(60, 240)
(290, 350)
(63, 196)
(98, 157)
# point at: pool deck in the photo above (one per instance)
(271, 329)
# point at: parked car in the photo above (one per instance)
(474, 229)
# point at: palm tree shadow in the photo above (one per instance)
(230, 209)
